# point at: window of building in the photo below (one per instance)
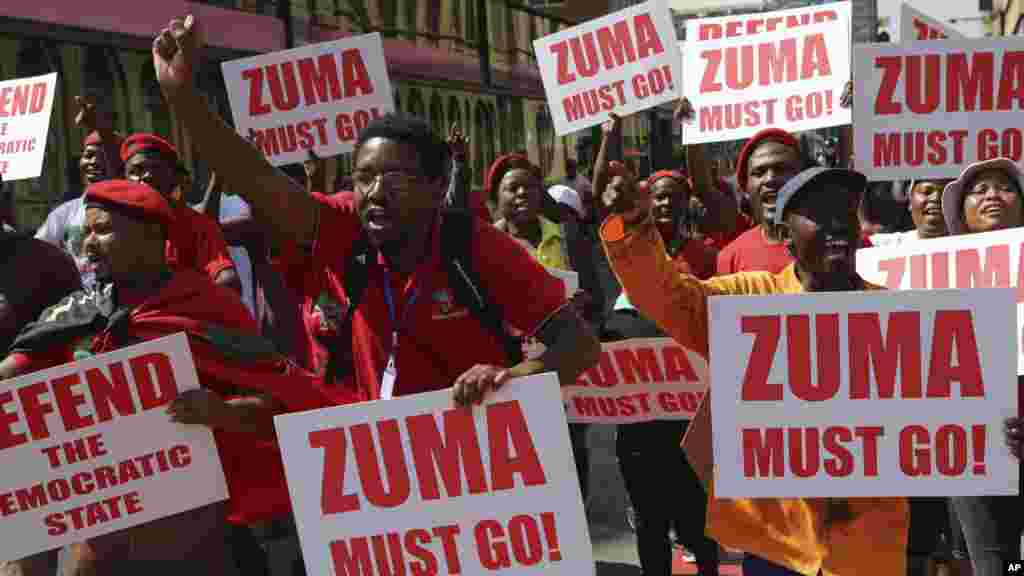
(455, 113)
(437, 115)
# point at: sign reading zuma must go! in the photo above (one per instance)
(929, 109)
(870, 394)
(315, 97)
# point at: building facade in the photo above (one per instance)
(465, 61)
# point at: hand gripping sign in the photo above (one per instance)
(25, 106)
(413, 485)
(638, 380)
(863, 394)
(316, 97)
(624, 62)
(927, 110)
(87, 448)
(916, 25)
(988, 260)
(783, 69)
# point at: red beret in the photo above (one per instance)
(131, 198)
(505, 164)
(140, 142)
(768, 134)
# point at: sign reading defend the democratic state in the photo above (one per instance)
(88, 449)
(623, 62)
(869, 394)
(927, 110)
(25, 107)
(315, 97)
(784, 69)
(418, 483)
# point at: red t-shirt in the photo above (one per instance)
(696, 258)
(751, 252)
(439, 339)
(195, 242)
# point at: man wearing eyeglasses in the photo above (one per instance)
(407, 336)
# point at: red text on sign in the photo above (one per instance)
(608, 48)
(22, 100)
(78, 450)
(923, 31)
(766, 64)
(442, 455)
(641, 364)
(948, 452)
(388, 553)
(329, 78)
(110, 390)
(523, 541)
(751, 25)
(761, 113)
(952, 82)
(93, 513)
(807, 452)
(954, 356)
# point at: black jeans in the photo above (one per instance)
(581, 454)
(665, 493)
(992, 527)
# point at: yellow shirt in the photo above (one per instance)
(549, 251)
(788, 532)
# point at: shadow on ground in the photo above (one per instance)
(617, 569)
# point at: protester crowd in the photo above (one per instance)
(408, 281)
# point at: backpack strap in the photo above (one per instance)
(457, 230)
(357, 276)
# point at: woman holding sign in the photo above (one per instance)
(985, 198)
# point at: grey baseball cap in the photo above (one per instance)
(855, 183)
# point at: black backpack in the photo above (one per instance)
(457, 242)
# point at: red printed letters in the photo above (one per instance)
(954, 357)
(453, 453)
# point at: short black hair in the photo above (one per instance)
(407, 129)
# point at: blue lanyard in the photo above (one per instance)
(396, 325)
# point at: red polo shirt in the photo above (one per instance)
(439, 340)
(195, 242)
(751, 252)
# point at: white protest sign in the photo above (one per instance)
(916, 25)
(626, 61)
(87, 448)
(783, 69)
(926, 110)
(25, 106)
(638, 380)
(315, 97)
(453, 491)
(988, 260)
(863, 394)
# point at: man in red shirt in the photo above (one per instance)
(670, 197)
(245, 383)
(195, 241)
(408, 333)
(767, 161)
